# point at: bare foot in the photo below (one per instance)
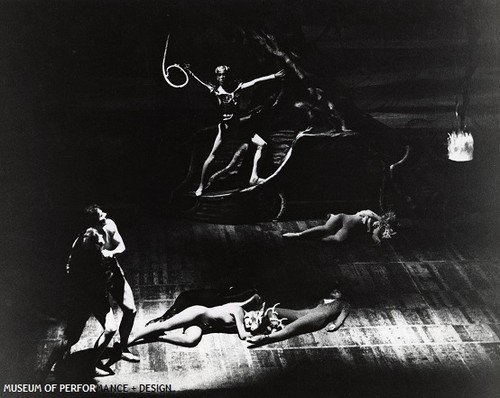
(199, 191)
(256, 181)
(103, 370)
(291, 235)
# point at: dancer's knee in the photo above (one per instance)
(191, 342)
(129, 311)
(110, 330)
(209, 158)
(110, 327)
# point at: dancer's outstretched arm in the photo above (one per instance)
(278, 75)
(210, 87)
(305, 324)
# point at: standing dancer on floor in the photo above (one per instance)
(90, 279)
(119, 287)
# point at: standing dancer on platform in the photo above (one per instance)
(227, 98)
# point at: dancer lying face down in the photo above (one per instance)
(339, 227)
(330, 311)
(196, 321)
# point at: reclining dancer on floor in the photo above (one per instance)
(205, 297)
(227, 94)
(198, 320)
(330, 311)
(338, 227)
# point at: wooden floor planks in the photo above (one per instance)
(425, 315)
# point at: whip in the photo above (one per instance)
(169, 68)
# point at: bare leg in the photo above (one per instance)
(321, 232)
(129, 311)
(210, 158)
(122, 293)
(231, 167)
(189, 338)
(58, 353)
(183, 319)
(340, 236)
(73, 331)
(260, 143)
(108, 323)
(316, 233)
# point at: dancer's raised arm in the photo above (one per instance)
(207, 85)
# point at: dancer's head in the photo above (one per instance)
(92, 236)
(221, 73)
(86, 256)
(263, 321)
(253, 319)
(386, 231)
(335, 294)
(95, 215)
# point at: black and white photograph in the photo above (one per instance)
(250, 198)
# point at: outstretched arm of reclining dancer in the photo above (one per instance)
(335, 325)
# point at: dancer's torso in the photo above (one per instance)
(217, 318)
(228, 102)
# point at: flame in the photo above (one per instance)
(460, 146)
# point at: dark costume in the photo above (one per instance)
(92, 278)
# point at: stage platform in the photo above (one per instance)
(425, 318)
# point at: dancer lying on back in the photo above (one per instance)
(339, 227)
(196, 321)
(330, 311)
(206, 298)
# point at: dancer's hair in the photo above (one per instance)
(385, 225)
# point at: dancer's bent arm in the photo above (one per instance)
(335, 325)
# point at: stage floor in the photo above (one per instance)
(425, 317)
